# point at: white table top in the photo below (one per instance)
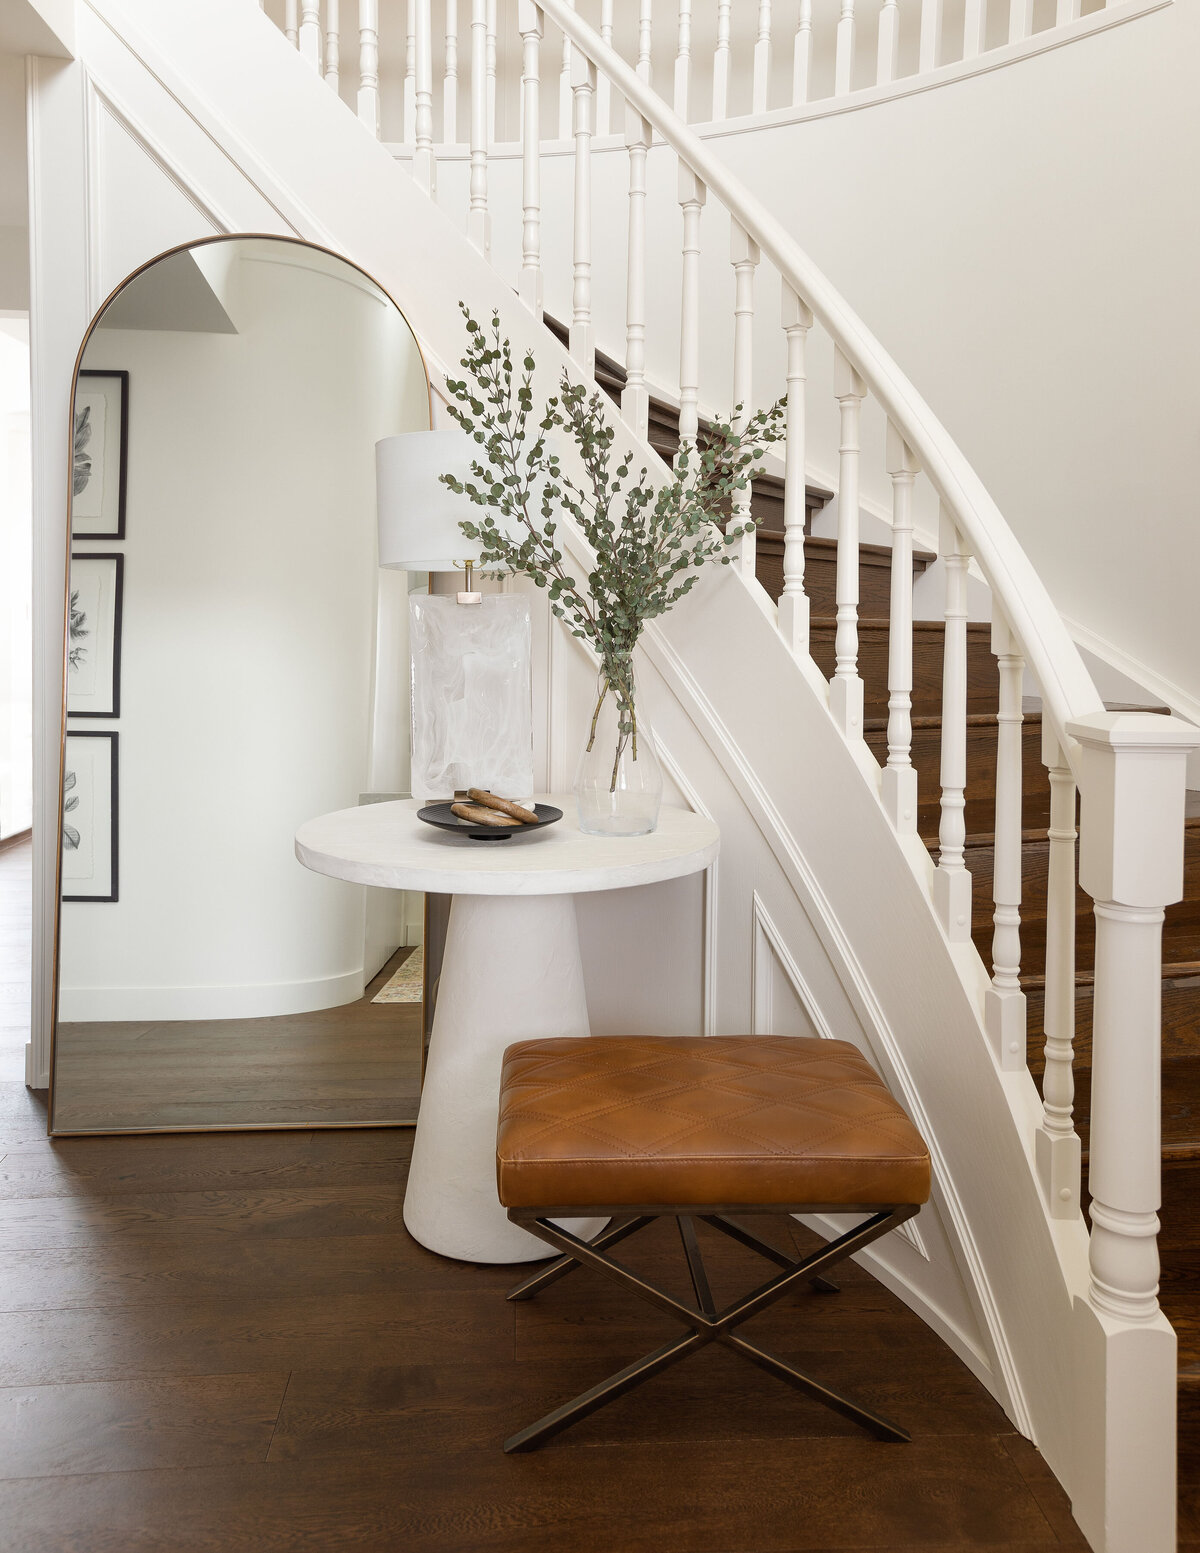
(385, 844)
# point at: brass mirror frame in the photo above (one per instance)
(167, 253)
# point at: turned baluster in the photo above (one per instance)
(692, 195)
(478, 218)
(952, 881)
(793, 601)
(846, 688)
(529, 286)
(843, 64)
(490, 54)
(683, 59)
(802, 54)
(974, 27)
(645, 44)
(635, 398)
(582, 338)
(898, 782)
(760, 88)
(423, 164)
(1020, 25)
(310, 33)
(410, 73)
(744, 256)
(1057, 1142)
(1067, 11)
(565, 105)
(931, 34)
(291, 22)
(368, 64)
(450, 75)
(604, 124)
(333, 43)
(888, 59)
(720, 106)
(1004, 1005)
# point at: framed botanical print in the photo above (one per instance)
(101, 434)
(89, 824)
(94, 642)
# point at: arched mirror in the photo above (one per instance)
(236, 664)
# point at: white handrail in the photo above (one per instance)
(1067, 688)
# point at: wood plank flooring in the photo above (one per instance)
(228, 1342)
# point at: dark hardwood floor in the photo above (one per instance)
(228, 1342)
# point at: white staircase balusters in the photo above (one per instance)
(952, 881)
(368, 64)
(898, 780)
(450, 74)
(846, 687)
(796, 317)
(692, 195)
(582, 337)
(1057, 1142)
(490, 55)
(744, 256)
(1067, 11)
(1020, 20)
(720, 101)
(683, 58)
(930, 55)
(974, 26)
(410, 73)
(565, 108)
(802, 54)
(310, 33)
(333, 43)
(478, 217)
(645, 44)
(291, 22)
(843, 62)
(1004, 1005)
(529, 286)
(635, 397)
(888, 54)
(761, 82)
(423, 163)
(603, 84)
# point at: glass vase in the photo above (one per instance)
(619, 783)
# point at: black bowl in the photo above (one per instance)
(439, 814)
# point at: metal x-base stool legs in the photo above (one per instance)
(705, 1323)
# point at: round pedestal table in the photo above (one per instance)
(511, 972)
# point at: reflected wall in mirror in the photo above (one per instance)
(236, 664)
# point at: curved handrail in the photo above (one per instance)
(1067, 688)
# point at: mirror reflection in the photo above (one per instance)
(236, 665)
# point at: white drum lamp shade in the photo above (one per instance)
(419, 516)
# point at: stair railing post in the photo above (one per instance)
(1132, 781)
(333, 43)
(410, 72)
(843, 64)
(1020, 20)
(846, 687)
(692, 194)
(761, 84)
(802, 54)
(423, 164)
(1067, 11)
(931, 35)
(744, 256)
(635, 398)
(310, 33)
(1004, 1003)
(582, 337)
(888, 57)
(564, 87)
(478, 218)
(720, 102)
(490, 71)
(604, 125)
(368, 64)
(450, 75)
(529, 286)
(898, 781)
(952, 880)
(1057, 1142)
(645, 45)
(974, 26)
(291, 22)
(797, 319)
(683, 58)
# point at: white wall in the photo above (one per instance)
(16, 685)
(248, 645)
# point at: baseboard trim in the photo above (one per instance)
(18, 838)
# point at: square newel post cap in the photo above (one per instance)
(1132, 782)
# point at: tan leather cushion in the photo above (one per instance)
(724, 1119)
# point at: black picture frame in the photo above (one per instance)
(113, 772)
(114, 698)
(121, 443)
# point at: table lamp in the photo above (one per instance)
(472, 697)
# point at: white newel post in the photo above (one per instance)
(478, 220)
(1004, 1006)
(846, 686)
(952, 880)
(635, 396)
(582, 335)
(529, 286)
(368, 64)
(898, 781)
(1132, 781)
(797, 319)
(423, 164)
(744, 256)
